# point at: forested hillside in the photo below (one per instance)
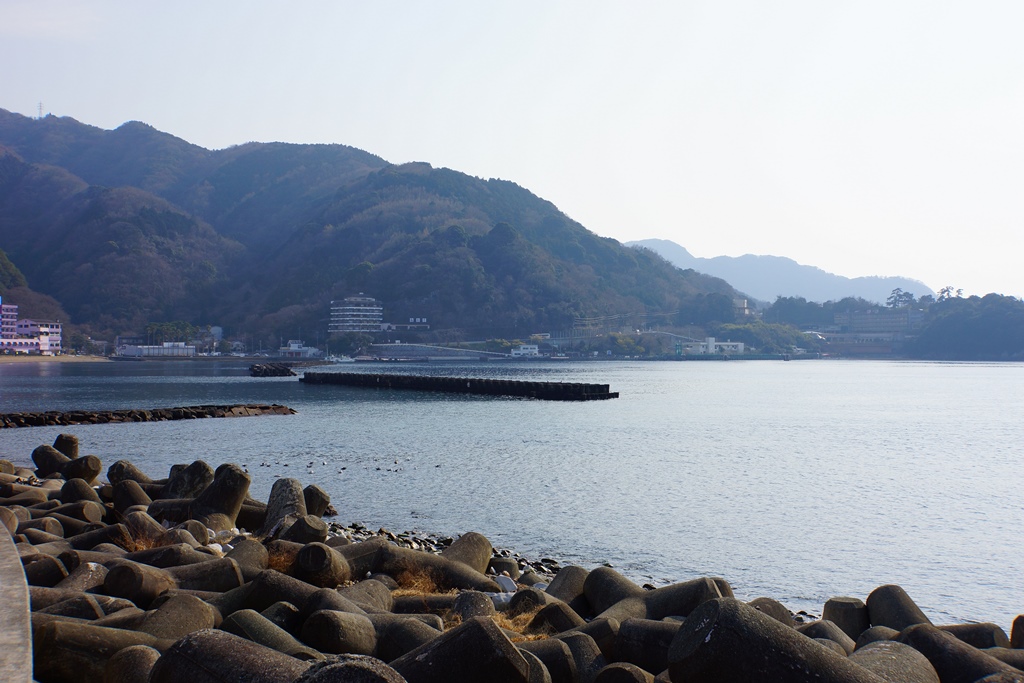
(133, 225)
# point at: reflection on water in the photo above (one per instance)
(799, 481)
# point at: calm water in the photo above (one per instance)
(798, 481)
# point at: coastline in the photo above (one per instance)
(164, 572)
(21, 358)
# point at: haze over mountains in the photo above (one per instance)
(766, 277)
(134, 225)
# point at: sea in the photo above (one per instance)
(798, 481)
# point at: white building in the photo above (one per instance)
(711, 345)
(8, 320)
(526, 351)
(27, 336)
(296, 348)
(165, 350)
(356, 314)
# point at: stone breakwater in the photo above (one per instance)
(81, 417)
(187, 578)
(545, 391)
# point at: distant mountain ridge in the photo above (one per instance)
(766, 277)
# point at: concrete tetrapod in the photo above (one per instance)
(67, 444)
(396, 562)
(214, 656)
(66, 651)
(349, 668)
(604, 587)
(678, 599)
(727, 640)
(890, 606)
(567, 586)
(895, 662)
(317, 500)
(954, 660)
(849, 614)
(623, 672)
(471, 549)
(981, 635)
(336, 632)
(773, 608)
(285, 505)
(585, 652)
(556, 657)
(257, 628)
(472, 652)
(825, 629)
(132, 664)
(645, 643)
(401, 636)
(187, 481)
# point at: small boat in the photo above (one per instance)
(340, 359)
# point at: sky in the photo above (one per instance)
(865, 138)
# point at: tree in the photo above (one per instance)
(900, 299)
(975, 328)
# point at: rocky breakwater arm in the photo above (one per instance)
(78, 417)
(141, 579)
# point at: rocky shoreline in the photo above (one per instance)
(125, 578)
(81, 417)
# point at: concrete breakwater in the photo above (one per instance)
(548, 391)
(187, 578)
(78, 417)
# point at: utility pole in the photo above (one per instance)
(40, 110)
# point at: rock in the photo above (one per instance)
(953, 659)
(213, 656)
(727, 640)
(895, 662)
(336, 632)
(774, 609)
(474, 651)
(890, 606)
(849, 614)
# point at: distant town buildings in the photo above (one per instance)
(165, 350)
(296, 348)
(525, 351)
(8, 320)
(712, 345)
(41, 337)
(872, 332)
(365, 314)
(356, 314)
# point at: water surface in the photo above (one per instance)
(798, 481)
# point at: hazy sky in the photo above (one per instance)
(866, 138)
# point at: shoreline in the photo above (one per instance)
(22, 358)
(125, 563)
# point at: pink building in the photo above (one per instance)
(27, 336)
(46, 333)
(8, 320)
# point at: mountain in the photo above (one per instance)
(767, 277)
(14, 290)
(10, 276)
(135, 225)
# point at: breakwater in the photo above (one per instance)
(547, 391)
(188, 578)
(79, 417)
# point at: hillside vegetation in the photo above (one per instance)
(133, 225)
